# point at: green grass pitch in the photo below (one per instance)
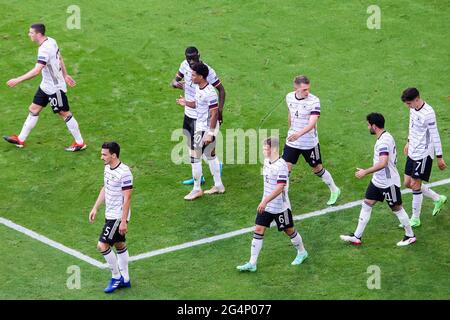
(124, 57)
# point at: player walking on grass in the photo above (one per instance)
(303, 115)
(116, 193)
(385, 183)
(51, 90)
(204, 141)
(423, 143)
(275, 205)
(190, 114)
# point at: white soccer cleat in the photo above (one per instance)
(351, 238)
(194, 194)
(215, 189)
(406, 241)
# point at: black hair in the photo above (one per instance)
(410, 94)
(191, 51)
(376, 119)
(201, 69)
(113, 147)
(301, 79)
(39, 28)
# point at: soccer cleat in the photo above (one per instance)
(189, 182)
(406, 241)
(76, 147)
(113, 285)
(215, 189)
(124, 284)
(438, 204)
(301, 256)
(194, 194)
(414, 222)
(247, 267)
(14, 140)
(333, 197)
(351, 238)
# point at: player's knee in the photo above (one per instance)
(259, 229)
(120, 245)
(34, 111)
(317, 169)
(289, 231)
(396, 208)
(416, 185)
(195, 159)
(102, 246)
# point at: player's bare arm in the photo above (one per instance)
(27, 76)
(69, 80)
(184, 103)
(98, 202)
(222, 94)
(214, 117)
(311, 125)
(178, 83)
(381, 164)
(275, 193)
(123, 227)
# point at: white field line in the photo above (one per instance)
(227, 235)
(52, 243)
(247, 230)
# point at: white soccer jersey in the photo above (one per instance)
(387, 176)
(52, 76)
(300, 111)
(205, 100)
(185, 72)
(116, 180)
(423, 134)
(274, 174)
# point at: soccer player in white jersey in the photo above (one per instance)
(274, 205)
(385, 183)
(116, 194)
(423, 143)
(51, 90)
(303, 115)
(190, 114)
(204, 141)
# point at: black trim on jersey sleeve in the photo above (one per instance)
(42, 62)
(127, 187)
(216, 84)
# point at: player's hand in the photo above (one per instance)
(405, 149)
(208, 138)
(178, 84)
(294, 136)
(12, 83)
(123, 228)
(181, 101)
(261, 207)
(69, 80)
(92, 215)
(360, 173)
(441, 163)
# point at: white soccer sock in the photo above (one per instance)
(297, 241)
(197, 173)
(326, 177)
(427, 192)
(417, 203)
(257, 243)
(111, 259)
(122, 258)
(364, 217)
(214, 167)
(404, 220)
(72, 125)
(28, 125)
